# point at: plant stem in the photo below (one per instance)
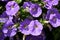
(24, 37)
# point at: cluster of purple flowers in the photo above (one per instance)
(9, 28)
(33, 27)
(34, 9)
(28, 26)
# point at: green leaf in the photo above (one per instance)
(1, 25)
(18, 1)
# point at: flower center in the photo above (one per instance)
(25, 26)
(52, 12)
(12, 6)
(34, 9)
(54, 19)
(9, 27)
(36, 26)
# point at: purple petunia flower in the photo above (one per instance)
(54, 2)
(37, 28)
(35, 10)
(25, 27)
(3, 17)
(8, 28)
(53, 17)
(51, 11)
(12, 8)
(50, 3)
(27, 4)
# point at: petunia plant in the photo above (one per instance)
(29, 19)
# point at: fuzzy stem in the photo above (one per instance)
(24, 37)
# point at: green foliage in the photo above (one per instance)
(1, 24)
(18, 1)
(56, 33)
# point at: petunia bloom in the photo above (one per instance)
(50, 3)
(3, 17)
(9, 29)
(12, 8)
(37, 28)
(27, 4)
(35, 10)
(53, 17)
(25, 27)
